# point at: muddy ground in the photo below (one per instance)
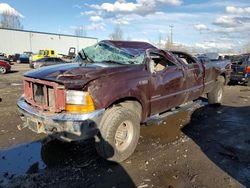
(213, 150)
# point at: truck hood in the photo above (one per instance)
(74, 75)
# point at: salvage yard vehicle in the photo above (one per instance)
(23, 58)
(20, 58)
(43, 53)
(3, 57)
(241, 70)
(47, 61)
(4, 67)
(110, 89)
(71, 54)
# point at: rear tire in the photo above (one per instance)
(3, 70)
(119, 134)
(215, 96)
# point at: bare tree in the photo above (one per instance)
(81, 31)
(117, 34)
(10, 21)
(168, 43)
(246, 48)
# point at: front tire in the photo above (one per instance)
(215, 96)
(119, 134)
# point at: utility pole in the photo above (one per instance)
(171, 33)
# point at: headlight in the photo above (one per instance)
(79, 101)
(76, 97)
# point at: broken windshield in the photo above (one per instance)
(103, 52)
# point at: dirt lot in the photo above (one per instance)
(211, 151)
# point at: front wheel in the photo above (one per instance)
(119, 134)
(215, 96)
(2, 70)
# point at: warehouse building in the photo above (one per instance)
(19, 41)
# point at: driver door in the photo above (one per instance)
(167, 82)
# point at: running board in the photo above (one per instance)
(189, 107)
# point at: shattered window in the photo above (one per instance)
(103, 52)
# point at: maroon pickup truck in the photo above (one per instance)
(110, 89)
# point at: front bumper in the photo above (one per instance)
(64, 126)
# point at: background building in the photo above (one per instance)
(17, 41)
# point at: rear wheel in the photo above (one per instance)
(2, 70)
(119, 134)
(215, 96)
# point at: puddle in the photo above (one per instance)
(33, 157)
(169, 129)
(19, 160)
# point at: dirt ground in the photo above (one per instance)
(213, 150)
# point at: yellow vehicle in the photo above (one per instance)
(44, 53)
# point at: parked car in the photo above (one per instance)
(3, 57)
(47, 61)
(14, 57)
(20, 58)
(241, 70)
(43, 53)
(111, 88)
(4, 67)
(23, 58)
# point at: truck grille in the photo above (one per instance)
(38, 94)
(48, 96)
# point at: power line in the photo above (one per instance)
(171, 33)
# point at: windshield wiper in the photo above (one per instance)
(89, 60)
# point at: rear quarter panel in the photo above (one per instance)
(212, 71)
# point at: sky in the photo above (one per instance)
(208, 25)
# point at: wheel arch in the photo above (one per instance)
(131, 99)
(222, 78)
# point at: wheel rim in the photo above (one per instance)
(220, 93)
(124, 135)
(2, 70)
